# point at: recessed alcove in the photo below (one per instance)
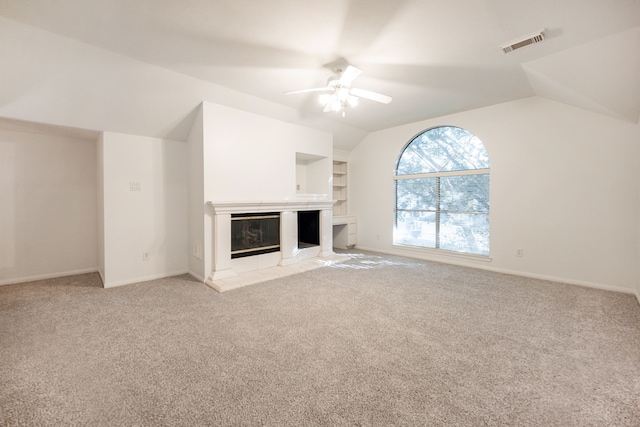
(308, 229)
(312, 173)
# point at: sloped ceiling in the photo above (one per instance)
(600, 76)
(433, 57)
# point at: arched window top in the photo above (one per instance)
(443, 149)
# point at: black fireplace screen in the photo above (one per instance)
(254, 234)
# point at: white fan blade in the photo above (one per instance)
(373, 96)
(349, 75)
(315, 89)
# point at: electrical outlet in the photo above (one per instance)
(146, 256)
(519, 252)
(134, 186)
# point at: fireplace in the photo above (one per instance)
(254, 234)
(271, 233)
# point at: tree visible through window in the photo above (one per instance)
(442, 192)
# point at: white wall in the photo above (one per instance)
(252, 157)
(196, 224)
(152, 220)
(564, 188)
(235, 155)
(638, 281)
(48, 206)
(100, 204)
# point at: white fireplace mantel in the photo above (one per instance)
(270, 206)
(223, 267)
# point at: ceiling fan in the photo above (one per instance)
(338, 94)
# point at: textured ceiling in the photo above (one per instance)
(433, 57)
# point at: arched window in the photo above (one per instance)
(442, 192)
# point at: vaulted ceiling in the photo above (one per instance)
(434, 57)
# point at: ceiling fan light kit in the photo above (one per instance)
(338, 101)
(338, 95)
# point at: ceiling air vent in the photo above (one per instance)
(536, 37)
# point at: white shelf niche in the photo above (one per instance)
(340, 187)
(312, 175)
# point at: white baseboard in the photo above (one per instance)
(144, 278)
(594, 285)
(586, 284)
(47, 276)
(196, 276)
(638, 296)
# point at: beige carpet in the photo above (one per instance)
(378, 340)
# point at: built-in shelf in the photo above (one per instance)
(344, 225)
(340, 188)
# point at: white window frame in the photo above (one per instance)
(438, 211)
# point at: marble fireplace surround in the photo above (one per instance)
(230, 273)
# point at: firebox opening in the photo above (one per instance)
(308, 229)
(254, 234)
